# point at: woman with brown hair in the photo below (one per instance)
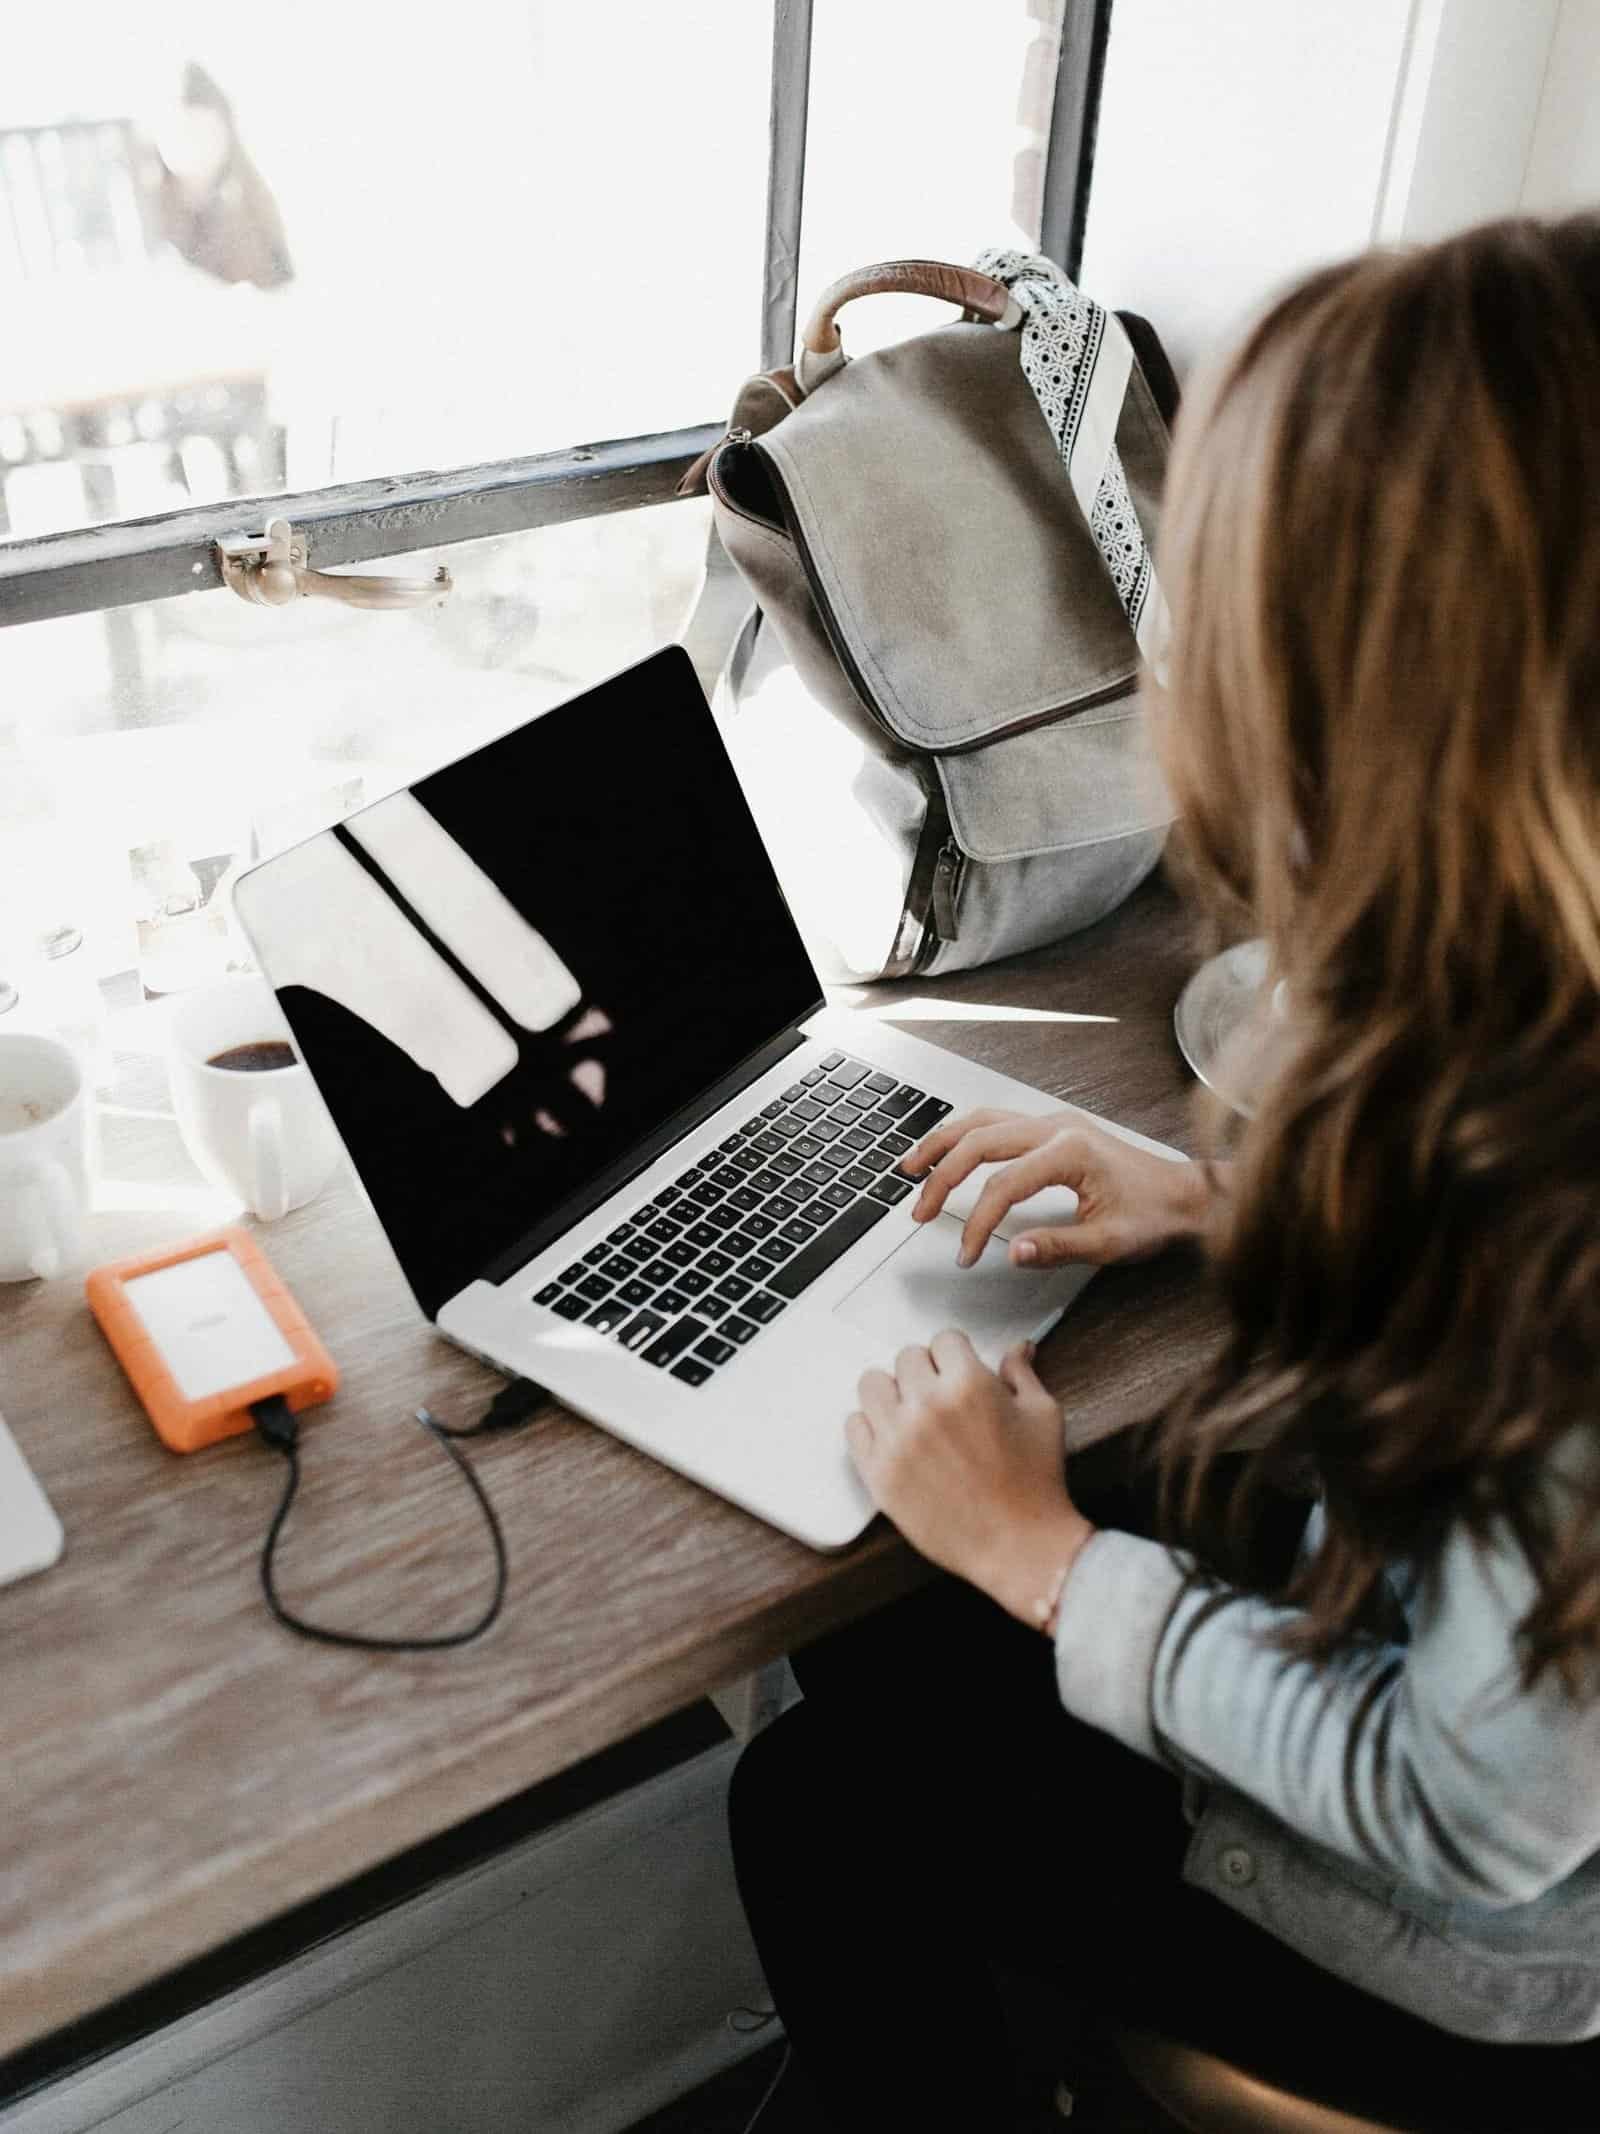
(1327, 1801)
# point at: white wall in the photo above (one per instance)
(1245, 141)
(1564, 161)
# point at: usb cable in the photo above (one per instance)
(512, 1406)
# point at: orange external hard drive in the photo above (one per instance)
(204, 1331)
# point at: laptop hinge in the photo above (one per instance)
(639, 1159)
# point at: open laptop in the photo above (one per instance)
(559, 1011)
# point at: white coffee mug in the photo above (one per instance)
(264, 1134)
(45, 1138)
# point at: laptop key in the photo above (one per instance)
(672, 1300)
(727, 1148)
(693, 1282)
(856, 1138)
(897, 1144)
(769, 1143)
(621, 1236)
(692, 1176)
(712, 1307)
(703, 1235)
(839, 1159)
(856, 1178)
(608, 1315)
(819, 1255)
(727, 1177)
(861, 1100)
(847, 1073)
(811, 1078)
(706, 1195)
(593, 1289)
(636, 1292)
(787, 1164)
(881, 1122)
(771, 1111)
(876, 1160)
(574, 1273)
(879, 1084)
(904, 1100)
(691, 1370)
(818, 1173)
(571, 1306)
(817, 1212)
(758, 1226)
(646, 1214)
(744, 1160)
(715, 1263)
(838, 1195)
(548, 1294)
(715, 1350)
(777, 1248)
(795, 1089)
(595, 1254)
(740, 1329)
(657, 1272)
(807, 1146)
(758, 1268)
(764, 1306)
(733, 1288)
(745, 1199)
(806, 1108)
(890, 1188)
(834, 1059)
(722, 1219)
(682, 1254)
(641, 1329)
(739, 1242)
(826, 1129)
(797, 1232)
(925, 1118)
(663, 1231)
(668, 1347)
(786, 1127)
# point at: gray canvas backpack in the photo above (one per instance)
(908, 525)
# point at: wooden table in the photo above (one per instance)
(177, 1769)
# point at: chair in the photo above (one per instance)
(1207, 2095)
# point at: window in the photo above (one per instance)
(530, 242)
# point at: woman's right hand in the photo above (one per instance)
(1130, 1204)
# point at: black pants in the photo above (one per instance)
(931, 1806)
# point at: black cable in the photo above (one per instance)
(512, 1405)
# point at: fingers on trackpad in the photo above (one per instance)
(918, 1290)
(1052, 1209)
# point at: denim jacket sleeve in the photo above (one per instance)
(1424, 1760)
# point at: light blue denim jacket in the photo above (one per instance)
(1407, 1816)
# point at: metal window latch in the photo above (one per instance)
(273, 571)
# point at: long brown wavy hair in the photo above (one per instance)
(1382, 730)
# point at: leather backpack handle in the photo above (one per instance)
(979, 296)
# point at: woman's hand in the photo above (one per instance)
(968, 1464)
(1130, 1203)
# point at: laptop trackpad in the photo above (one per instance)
(919, 1290)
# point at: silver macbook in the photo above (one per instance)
(558, 1009)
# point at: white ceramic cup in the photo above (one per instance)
(265, 1135)
(45, 1135)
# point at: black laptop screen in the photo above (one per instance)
(508, 980)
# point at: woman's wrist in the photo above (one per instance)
(1030, 1572)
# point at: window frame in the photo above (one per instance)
(96, 568)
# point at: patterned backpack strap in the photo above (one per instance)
(1077, 358)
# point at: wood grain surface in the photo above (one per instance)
(177, 1769)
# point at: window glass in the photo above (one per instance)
(243, 252)
(145, 752)
(925, 139)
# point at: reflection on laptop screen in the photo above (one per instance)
(507, 979)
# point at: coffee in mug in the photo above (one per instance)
(244, 1100)
(259, 1055)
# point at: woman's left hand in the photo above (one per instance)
(969, 1465)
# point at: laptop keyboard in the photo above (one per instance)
(694, 1275)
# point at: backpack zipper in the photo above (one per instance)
(947, 873)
